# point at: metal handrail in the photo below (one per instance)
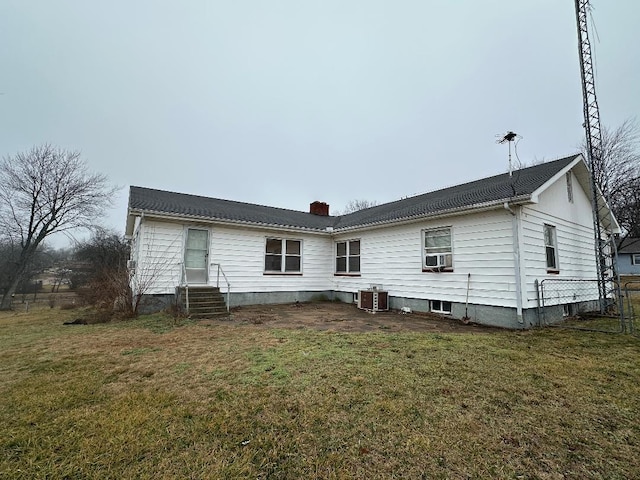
(185, 283)
(221, 271)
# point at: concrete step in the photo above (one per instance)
(210, 299)
(204, 302)
(201, 289)
(218, 306)
(201, 315)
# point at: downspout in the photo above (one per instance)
(516, 259)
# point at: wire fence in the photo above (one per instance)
(576, 303)
(631, 291)
(64, 300)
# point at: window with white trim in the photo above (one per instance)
(283, 256)
(635, 259)
(551, 248)
(437, 255)
(439, 306)
(348, 257)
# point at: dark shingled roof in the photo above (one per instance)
(160, 201)
(487, 190)
(629, 245)
(494, 189)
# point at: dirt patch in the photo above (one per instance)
(342, 317)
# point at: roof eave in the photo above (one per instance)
(131, 222)
(220, 221)
(612, 223)
(479, 207)
(537, 192)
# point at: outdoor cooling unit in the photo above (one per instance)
(373, 299)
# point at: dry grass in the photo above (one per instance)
(152, 399)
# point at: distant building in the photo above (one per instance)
(629, 256)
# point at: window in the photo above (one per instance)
(277, 250)
(437, 250)
(439, 306)
(569, 187)
(551, 249)
(635, 259)
(348, 257)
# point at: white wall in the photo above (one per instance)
(159, 255)
(482, 246)
(575, 241)
(241, 253)
(159, 247)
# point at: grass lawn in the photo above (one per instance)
(151, 399)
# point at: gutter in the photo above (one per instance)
(331, 230)
(480, 207)
(220, 221)
(515, 220)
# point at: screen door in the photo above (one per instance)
(195, 255)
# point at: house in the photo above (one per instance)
(477, 248)
(629, 256)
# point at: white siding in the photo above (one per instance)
(159, 256)
(482, 246)
(135, 242)
(574, 231)
(241, 251)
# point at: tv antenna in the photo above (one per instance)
(509, 137)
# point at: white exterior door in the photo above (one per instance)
(196, 255)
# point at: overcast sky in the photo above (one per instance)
(285, 102)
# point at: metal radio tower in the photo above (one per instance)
(605, 246)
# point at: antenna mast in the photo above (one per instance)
(508, 138)
(605, 246)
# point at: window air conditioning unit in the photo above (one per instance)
(373, 300)
(436, 261)
(131, 264)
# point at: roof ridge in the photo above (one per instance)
(238, 202)
(460, 185)
(504, 174)
(477, 193)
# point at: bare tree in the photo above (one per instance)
(38, 263)
(618, 173)
(101, 276)
(42, 191)
(105, 249)
(355, 205)
(151, 266)
(113, 284)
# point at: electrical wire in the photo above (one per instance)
(514, 181)
(594, 30)
(515, 150)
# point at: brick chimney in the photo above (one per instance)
(319, 208)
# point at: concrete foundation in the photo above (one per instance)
(156, 303)
(265, 298)
(554, 314)
(504, 317)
